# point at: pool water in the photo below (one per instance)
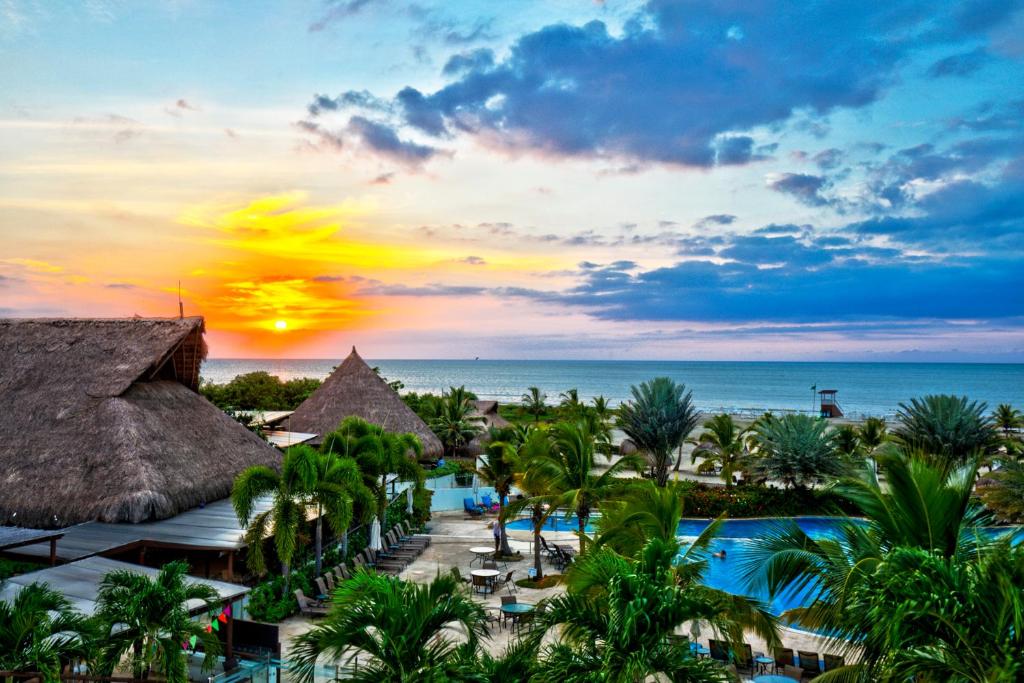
(734, 537)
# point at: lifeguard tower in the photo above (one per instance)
(827, 403)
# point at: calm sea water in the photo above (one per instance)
(737, 387)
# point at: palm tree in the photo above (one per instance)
(1002, 491)
(567, 472)
(334, 485)
(618, 618)
(397, 630)
(873, 436)
(950, 428)
(377, 454)
(288, 493)
(534, 444)
(570, 404)
(533, 403)
(796, 449)
(1007, 418)
(658, 420)
(499, 470)
(147, 619)
(455, 423)
(40, 632)
(722, 443)
(847, 442)
(926, 505)
(602, 409)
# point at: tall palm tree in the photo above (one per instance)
(847, 442)
(658, 419)
(951, 428)
(721, 443)
(926, 505)
(147, 619)
(334, 486)
(533, 403)
(570, 403)
(499, 470)
(399, 631)
(618, 618)
(455, 423)
(797, 449)
(287, 513)
(873, 436)
(377, 454)
(567, 470)
(40, 632)
(534, 445)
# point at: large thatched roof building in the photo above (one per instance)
(355, 389)
(102, 421)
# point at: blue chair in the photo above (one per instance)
(487, 503)
(471, 507)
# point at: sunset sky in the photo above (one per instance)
(734, 179)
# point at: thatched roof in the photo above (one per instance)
(355, 389)
(102, 422)
(487, 415)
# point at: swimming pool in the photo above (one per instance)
(734, 537)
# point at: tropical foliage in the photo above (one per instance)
(533, 403)
(950, 428)
(455, 423)
(797, 450)
(722, 444)
(498, 469)
(399, 631)
(40, 632)
(147, 619)
(658, 419)
(259, 391)
(1003, 491)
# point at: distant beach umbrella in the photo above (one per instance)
(375, 534)
(408, 500)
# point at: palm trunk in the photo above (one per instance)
(137, 648)
(679, 460)
(286, 571)
(506, 550)
(537, 528)
(319, 544)
(581, 519)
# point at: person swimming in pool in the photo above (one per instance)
(720, 554)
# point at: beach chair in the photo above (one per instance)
(552, 555)
(471, 507)
(386, 564)
(794, 672)
(393, 549)
(783, 658)
(488, 504)
(321, 586)
(409, 533)
(809, 663)
(410, 539)
(341, 571)
(833, 661)
(329, 580)
(308, 607)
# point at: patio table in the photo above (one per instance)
(481, 553)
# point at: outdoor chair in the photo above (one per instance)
(308, 607)
(358, 561)
(794, 672)
(490, 564)
(410, 534)
(471, 507)
(507, 600)
(458, 575)
(396, 549)
(383, 562)
(552, 554)
(329, 580)
(481, 584)
(494, 616)
(783, 657)
(321, 586)
(524, 619)
(719, 650)
(809, 663)
(341, 571)
(744, 659)
(565, 557)
(508, 583)
(488, 504)
(833, 661)
(409, 539)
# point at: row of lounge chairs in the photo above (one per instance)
(486, 504)
(784, 661)
(400, 546)
(559, 555)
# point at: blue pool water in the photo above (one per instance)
(734, 537)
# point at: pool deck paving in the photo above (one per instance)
(453, 534)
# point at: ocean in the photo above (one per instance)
(744, 388)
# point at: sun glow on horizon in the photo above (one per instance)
(281, 325)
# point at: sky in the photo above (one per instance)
(705, 179)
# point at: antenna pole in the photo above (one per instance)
(181, 306)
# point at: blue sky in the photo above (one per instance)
(558, 179)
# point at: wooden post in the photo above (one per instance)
(53, 551)
(231, 565)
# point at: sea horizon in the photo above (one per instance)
(738, 387)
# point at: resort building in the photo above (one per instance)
(355, 389)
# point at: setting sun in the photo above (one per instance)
(281, 325)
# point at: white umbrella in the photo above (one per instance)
(408, 500)
(476, 486)
(375, 534)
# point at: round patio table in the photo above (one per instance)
(481, 552)
(769, 678)
(516, 609)
(763, 663)
(700, 650)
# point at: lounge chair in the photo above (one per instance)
(308, 607)
(809, 663)
(393, 549)
(386, 564)
(321, 586)
(341, 571)
(488, 504)
(410, 539)
(409, 533)
(794, 672)
(329, 580)
(719, 650)
(552, 555)
(471, 507)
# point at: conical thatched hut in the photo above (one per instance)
(355, 389)
(102, 421)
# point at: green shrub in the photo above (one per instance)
(755, 500)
